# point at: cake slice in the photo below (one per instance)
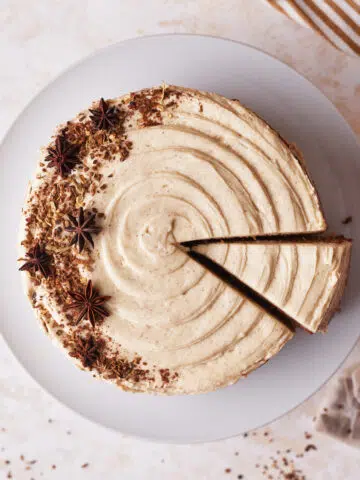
(305, 280)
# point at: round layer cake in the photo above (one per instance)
(115, 190)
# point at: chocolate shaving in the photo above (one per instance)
(347, 220)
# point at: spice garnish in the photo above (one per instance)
(104, 117)
(37, 260)
(82, 228)
(87, 350)
(63, 155)
(89, 304)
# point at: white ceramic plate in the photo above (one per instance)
(301, 114)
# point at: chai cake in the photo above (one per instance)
(113, 191)
(305, 279)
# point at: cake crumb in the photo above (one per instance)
(347, 220)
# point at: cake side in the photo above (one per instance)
(334, 305)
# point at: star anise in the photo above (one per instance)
(37, 260)
(82, 228)
(87, 349)
(104, 117)
(89, 305)
(63, 155)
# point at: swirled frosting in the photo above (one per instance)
(304, 279)
(198, 165)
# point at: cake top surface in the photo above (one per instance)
(114, 190)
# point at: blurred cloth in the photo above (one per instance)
(336, 20)
(339, 415)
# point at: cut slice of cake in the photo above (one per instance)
(306, 279)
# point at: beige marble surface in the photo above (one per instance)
(40, 39)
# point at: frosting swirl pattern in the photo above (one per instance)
(203, 167)
(304, 279)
